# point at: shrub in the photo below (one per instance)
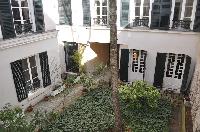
(13, 120)
(140, 94)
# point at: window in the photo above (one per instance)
(146, 7)
(124, 18)
(188, 9)
(21, 15)
(137, 8)
(177, 10)
(30, 72)
(101, 11)
(65, 13)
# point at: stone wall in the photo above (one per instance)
(195, 96)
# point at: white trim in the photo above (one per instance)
(183, 10)
(172, 13)
(131, 11)
(141, 9)
(193, 14)
(119, 13)
(150, 10)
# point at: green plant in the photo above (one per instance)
(99, 69)
(69, 81)
(139, 94)
(77, 57)
(13, 120)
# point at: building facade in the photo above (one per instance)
(29, 51)
(157, 39)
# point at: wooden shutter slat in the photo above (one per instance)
(6, 19)
(19, 80)
(124, 65)
(159, 70)
(45, 69)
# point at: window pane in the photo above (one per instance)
(188, 11)
(104, 12)
(34, 72)
(36, 83)
(28, 86)
(137, 11)
(24, 64)
(24, 3)
(104, 3)
(25, 13)
(97, 3)
(137, 2)
(189, 3)
(98, 10)
(16, 13)
(32, 61)
(26, 75)
(146, 2)
(145, 11)
(15, 3)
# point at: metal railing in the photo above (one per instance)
(144, 22)
(100, 21)
(23, 28)
(181, 24)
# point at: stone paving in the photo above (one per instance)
(58, 102)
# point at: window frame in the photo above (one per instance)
(38, 69)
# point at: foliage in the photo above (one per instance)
(99, 69)
(13, 120)
(69, 81)
(93, 112)
(139, 94)
(87, 81)
(77, 57)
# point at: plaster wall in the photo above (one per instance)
(7, 87)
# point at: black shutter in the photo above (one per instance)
(160, 15)
(124, 16)
(86, 12)
(45, 69)
(39, 16)
(6, 19)
(65, 12)
(124, 60)
(19, 80)
(159, 70)
(186, 72)
(197, 18)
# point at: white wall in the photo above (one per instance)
(51, 16)
(152, 41)
(8, 93)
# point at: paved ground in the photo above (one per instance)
(58, 102)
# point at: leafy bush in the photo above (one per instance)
(93, 112)
(99, 69)
(139, 94)
(13, 120)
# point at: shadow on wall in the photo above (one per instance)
(95, 54)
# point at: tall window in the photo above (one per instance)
(30, 73)
(137, 8)
(124, 18)
(101, 7)
(177, 9)
(21, 12)
(65, 12)
(146, 7)
(188, 9)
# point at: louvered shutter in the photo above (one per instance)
(186, 72)
(45, 69)
(6, 19)
(86, 12)
(19, 80)
(124, 65)
(160, 15)
(124, 17)
(197, 18)
(159, 70)
(39, 16)
(65, 12)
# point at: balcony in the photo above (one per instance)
(181, 25)
(22, 29)
(143, 23)
(100, 21)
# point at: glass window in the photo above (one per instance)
(101, 7)
(188, 8)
